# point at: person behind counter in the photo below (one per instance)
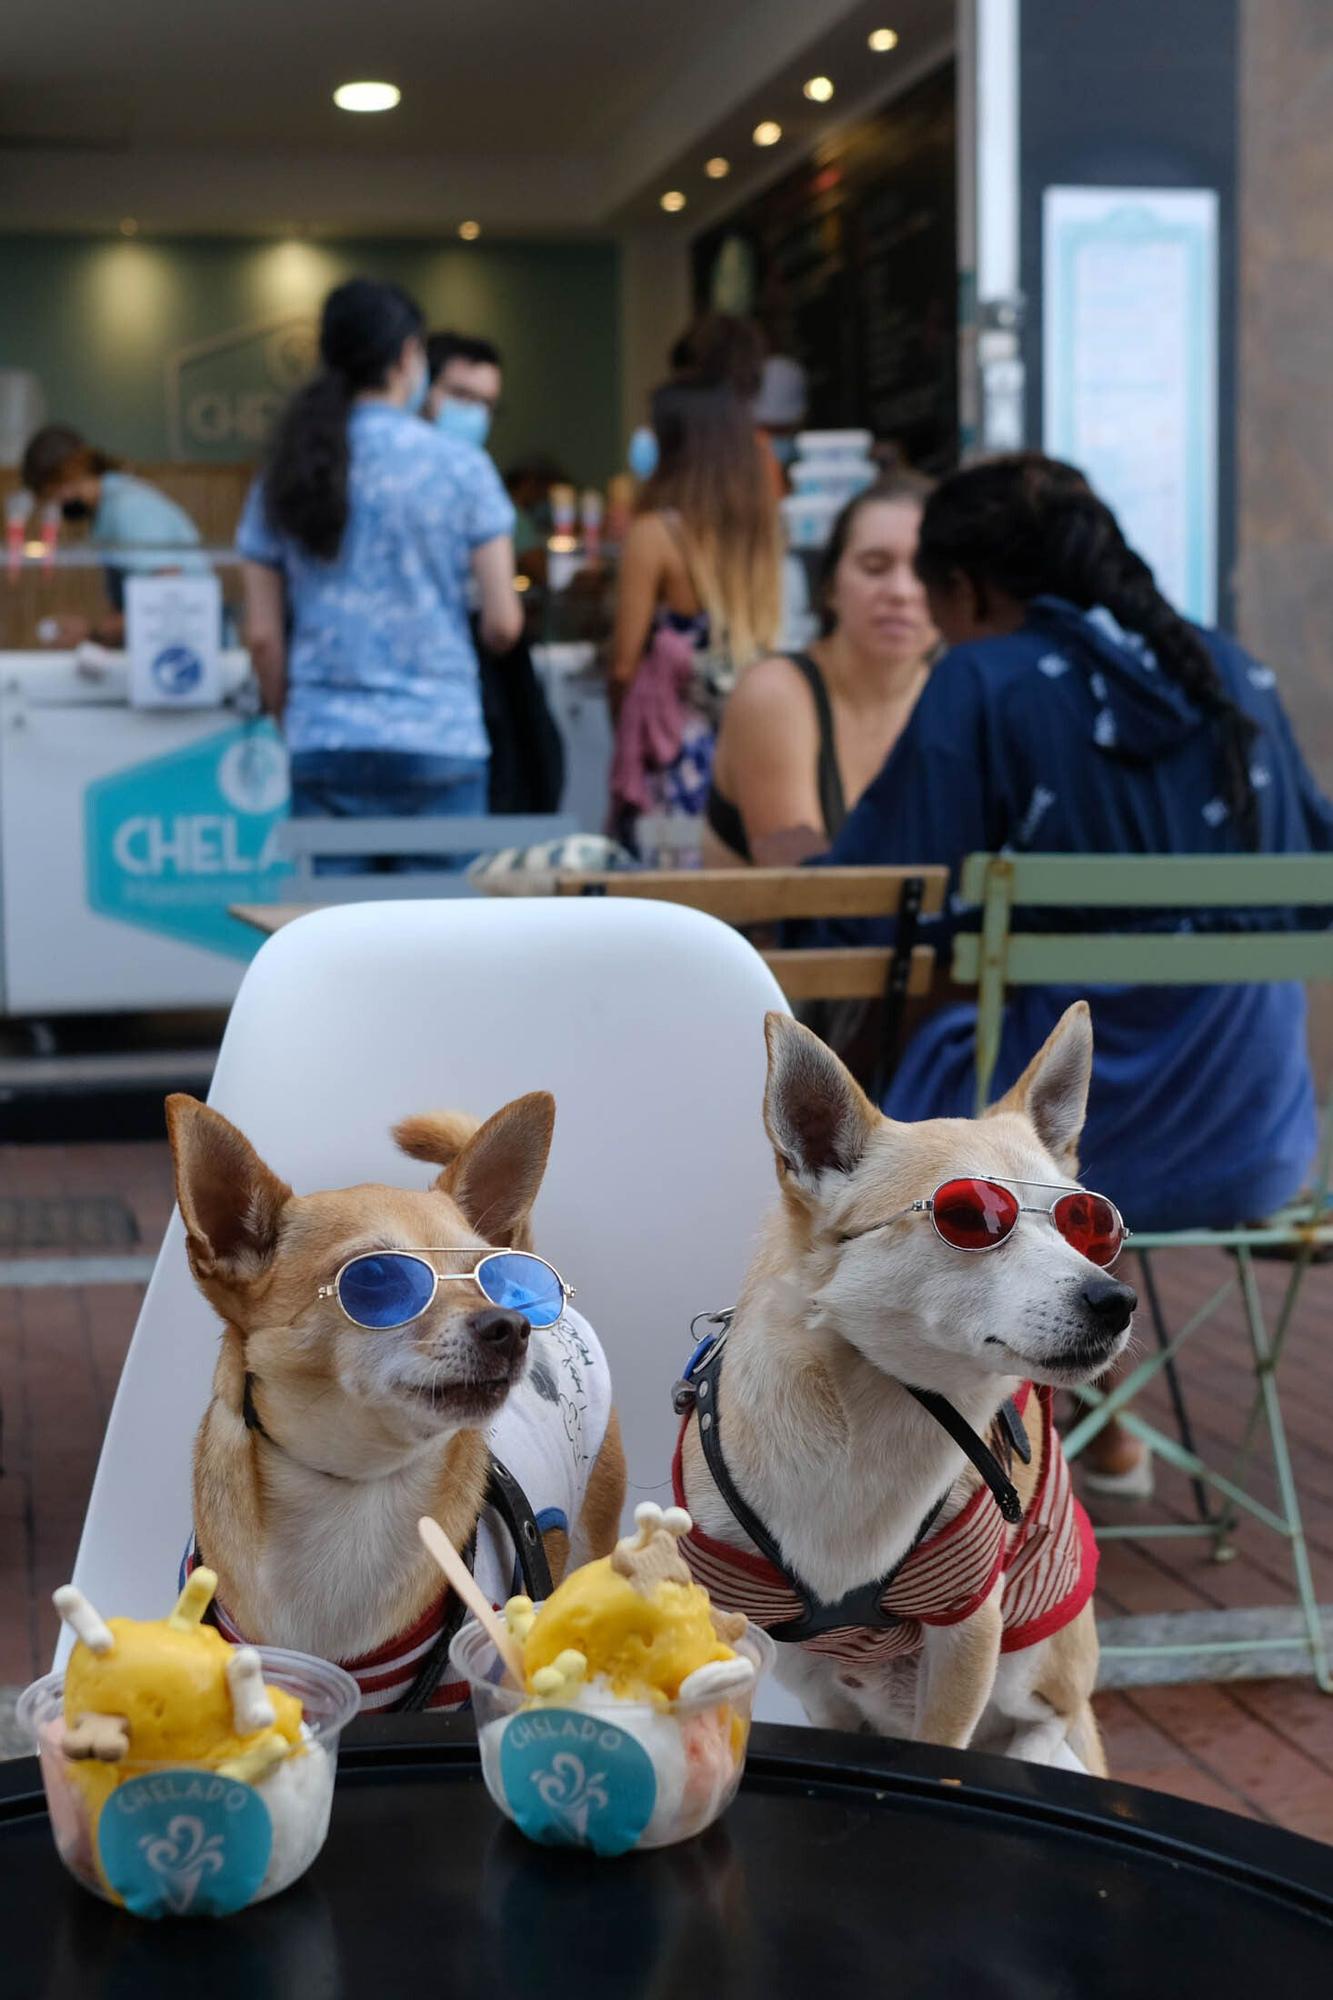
(804, 733)
(527, 766)
(698, 600)
(360, 538)
(465, 385)
(124, 515)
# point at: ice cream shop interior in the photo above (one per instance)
(600, 604)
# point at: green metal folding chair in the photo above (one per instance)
(1000, 957)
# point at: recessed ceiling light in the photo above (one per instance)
(767, 133)
(717, 168)
(129, 227)
(673, 201)
(883, 39)
(818, 89)
(469, 231)
(366, 96)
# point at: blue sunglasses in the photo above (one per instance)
(389, 1288)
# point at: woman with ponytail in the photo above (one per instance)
(360, 540)
(1076, 712)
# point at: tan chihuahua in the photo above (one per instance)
(868, 1453)
(335, 1423)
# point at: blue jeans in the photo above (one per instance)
(387, 784)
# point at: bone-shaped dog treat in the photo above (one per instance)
(85, 1623)
(651, 1556)
(729, 1625)
(106, 1737)
(718, 1680)
(251, 1708)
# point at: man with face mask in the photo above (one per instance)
(131, 520)
(527, 758)
(465, 384)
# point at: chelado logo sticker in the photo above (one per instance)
(575, 1780)
(172, 843)
(184, 1844)
(252, 773)
(177, 670)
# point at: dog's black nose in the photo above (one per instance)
(505, 1332)
(1111, 1304)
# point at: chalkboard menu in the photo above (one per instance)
(850, 264)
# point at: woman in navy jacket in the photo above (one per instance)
(1076, 713)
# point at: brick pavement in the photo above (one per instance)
(1262, 1748)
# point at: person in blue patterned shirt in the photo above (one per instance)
(362, 539)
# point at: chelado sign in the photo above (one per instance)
(224, 394)
(171, 843)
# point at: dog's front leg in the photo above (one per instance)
(958, 1665)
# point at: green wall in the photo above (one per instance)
(183, 347)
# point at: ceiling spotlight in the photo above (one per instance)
(469, 231)
(818, 89)
(768, 133)
(366, 96)
(673, 201)
(883, 39)
(717, 168)
(129, 227)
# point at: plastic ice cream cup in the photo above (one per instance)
(604, 1774)
(179, 1838)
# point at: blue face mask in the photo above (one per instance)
(469, 422)
(643, 454)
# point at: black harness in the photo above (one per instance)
(509, 1501)
(863, 1605)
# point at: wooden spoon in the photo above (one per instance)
(461, 1579)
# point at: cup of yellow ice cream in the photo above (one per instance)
(185, 1776)
(631, 1726)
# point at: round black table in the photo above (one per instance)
(848, 1866)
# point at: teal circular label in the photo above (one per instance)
(184, 1844)
(575, 1780)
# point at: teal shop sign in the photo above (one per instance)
(171, 843)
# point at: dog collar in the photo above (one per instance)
(697, 1390)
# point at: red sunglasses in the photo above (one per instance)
(976, 1214)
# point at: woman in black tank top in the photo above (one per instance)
(804, 733)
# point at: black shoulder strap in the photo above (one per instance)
(980, 1453)
(511, 1503)
(832, 801)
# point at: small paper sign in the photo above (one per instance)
(173, 627)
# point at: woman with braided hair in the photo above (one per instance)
(1076, 712)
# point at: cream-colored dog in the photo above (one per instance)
(325, 1441)
(950, 1623)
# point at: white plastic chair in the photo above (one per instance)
(645, 1019)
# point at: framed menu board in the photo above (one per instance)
(1130, 328)
(850, 264)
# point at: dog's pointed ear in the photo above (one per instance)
(496, 1177)
(815, 1113)
(231, 1203)
(1052, 1093)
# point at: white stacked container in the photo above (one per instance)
(830, 468)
